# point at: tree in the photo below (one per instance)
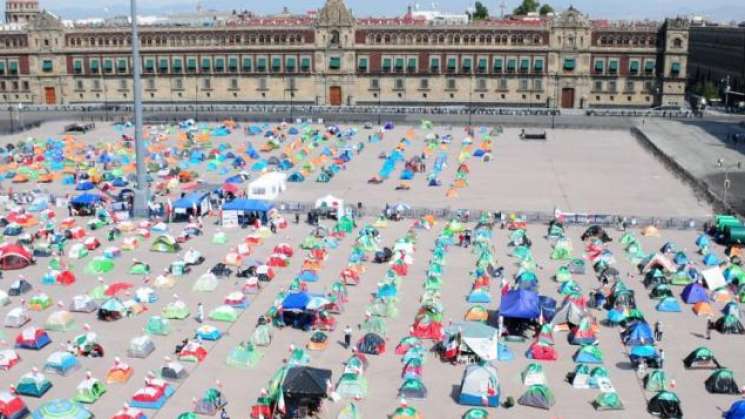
(545, 10)
(707, 90)
(528, 6)
(480, 12)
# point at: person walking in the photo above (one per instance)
(347, 337)
(709, 326)
(658, 331)
(662, 358)
(200, 313)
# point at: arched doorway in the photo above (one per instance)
(567, 97)
(335, 95)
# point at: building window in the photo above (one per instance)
(424, 84)
(47, 66)
(386, 65)
(399, 64)
(523, 84)
(612, 87)
(374, 84)
(649, 67)
(121, 66)
(434, 64)
(452, 64)
(334, 63)
(206, 84)
(524, 65)
(483, 65)
(93, 66)
(411, 65)
(149, 65)
(276, 64)
(569, 64)
(234, 84)
(77, 67)
(79, 85)
(481, 84)
(219, 65)
(262, 84)
(163, 66)
(399, 84)
(598, 86)
(538, 85)
(613, 66)
(151, 84)
(451, 84)
(630, 86)
(305, 64)
(511, 65)
(362, 65)
(191, 65)
(675, 69)
(233, 64)
(206, 65)
(467, 64)
(96, 84)
(678, 43)
(261, 64)
(123, 85)
(290, 64)
(502, 84)
(599, 66)
(634, 67)
(497, 65)
(176, 66)
(538, 65)
(178, 84)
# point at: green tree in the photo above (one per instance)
(706, 90)
(545, 10)
(480, 12)
(528, 6)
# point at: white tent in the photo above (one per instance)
(330, 201)
(268, 186)
(714, 278)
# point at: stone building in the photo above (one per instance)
(330, 57)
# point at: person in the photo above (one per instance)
(297, 218)
(200, 313)
(662, 358)
(709, 326)
(224, 414)
(658, 331)
(347, 337)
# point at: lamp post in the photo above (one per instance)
(10, 113)
(556, 100)
(470, 99)
(141, 190)
(380, 103)
(726, 183)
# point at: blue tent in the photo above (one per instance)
(235, 179)
(680, 258)
(86, 199)
(246, 206)
(638, 333)
(188, 201)
(308, 276)
(259, 165)
(548, 307)
(711, 260)
(407, 174)
(85, 185)
(520, 304)
(702, 240)
(296, 177)
(694, 293)
(479, 296)
(640, 352)
(668, 305)
(119, 182)
(296, 301)
(736, 410)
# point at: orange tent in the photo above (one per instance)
(702, 309)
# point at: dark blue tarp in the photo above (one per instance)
(694, 293)
(736, 410)
(296, 301)
(86, 199)
(248, 205)
(190, 200)
(520, 304)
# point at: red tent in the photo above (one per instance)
(14, 256)
(285, 249)
(65, 278)
(542, 352)
(129, 413)
(32, 338)
(426, 328)
(231, 188)
(12, 406)
(277, 261)
(117, 287)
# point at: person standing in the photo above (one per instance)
(658, 331)
(709, 326)
(200, 313)
(662, 358)
(347, 337)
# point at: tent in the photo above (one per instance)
(701, 357)
(477, 337)
(668, 305)
(249, 208)
(371, 343)
(173, 371)
(646, 353)
(112, 309)
(584, 333)
(211, 402)
(89, 391)
(665, 404)
(729, 325)
(541, 351)
(694, 293)
(208, 332)
(153, 395)
(589, 354)
(60, 321)
(165, 244)
(655, 381)
(13, 256)
(140, 347)
(538, 396)
(119, 373)
(412, 388)
(244, 356)
(722, 381)
(12, 406)
(607, 401)
(637, 333)
(305, 387)
(184, 207)
(520, 304)
(33, 384)
(206, 283)
(32, 338)
(61, 408)
(8, 359)
(262, 336)
(354, 385)
(17, 317)
(568, 314)
(157, 326)
(176, 310)
(224, 313)
(268, 186)
(533, 374)
(61, 363)
(479, 386)
(193, 351)
(736, 410)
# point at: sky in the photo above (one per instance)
(721, 10)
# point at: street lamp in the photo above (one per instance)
(380, 103)
(726, 184)
(556, 100)
(141, 190)
(470, 99)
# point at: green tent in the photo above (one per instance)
(262, 336)
(353, 386)
(562, 250)
(563, 274)
(374, 324)
(176, 310)
(89, 391)
(224, 313)
(350, 411)
(476, 413)
(139, 268)
(100, 265)
(187, 415)
(405, 412)
(533, 374)
(164, 244)
(607, 401)
(219, 238)
(61, 408)
(538, 396)
(244, 356)
(346, 224)
(655, 381)
(157, 326)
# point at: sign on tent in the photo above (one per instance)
(714, 278)
(605, 385)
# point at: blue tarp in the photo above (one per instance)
(736, 410)
(548, 307)
(638, 333)
(694, 293)
(86, 199)
(248, 205)
(85, 186)
(190, 200)
(668, 305)
(296, 301)
(520, 304)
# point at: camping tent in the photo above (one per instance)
(17, 317)
(244, 356)
(32, 338)
(252, 208)
(722, 381)
(479, 386)
(33, 384)
(12, 406)
(520, 304)
(305, 386)
(538, 396)
(478, 337)
(268, 187)
(13, 256)
(701, 357)
(354, 386)
(61, 363)
(173, 371)
(61, 408)
(140, 347)
(665, 404)
(607, 401)
(165, 244)
(89, 391)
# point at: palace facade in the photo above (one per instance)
(329, 57)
